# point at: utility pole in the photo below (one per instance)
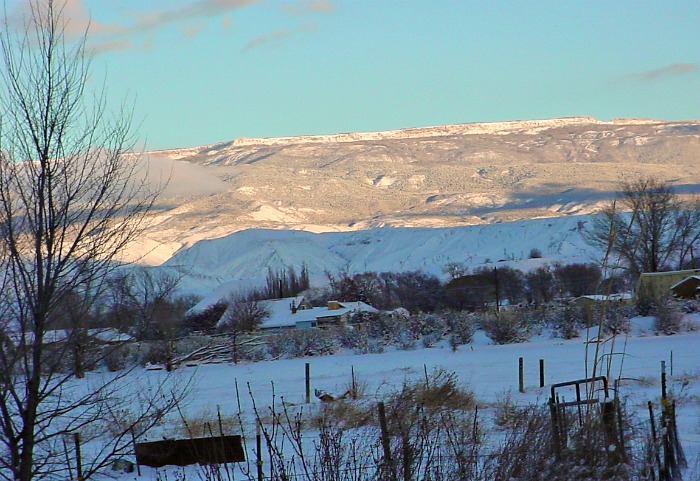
(498, 294)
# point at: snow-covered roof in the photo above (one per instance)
(109, 334)
(607, 297)
(52, 336)
(694, 278)
(281, 314)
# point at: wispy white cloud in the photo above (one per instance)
(74, 14)
(110, 46)
(309, 7)
(141, 27)
(190, 31)
(119, 35)
(673, 70)
(279, 35)
(155, 19)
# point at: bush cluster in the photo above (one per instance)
(506, 327)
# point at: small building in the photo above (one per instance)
(688, 288)
(599, 299)
(297, 313)
(659, 284)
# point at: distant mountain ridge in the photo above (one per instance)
(505, 127)
(429, 177)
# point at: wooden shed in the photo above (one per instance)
(658, 284)
(688, 288)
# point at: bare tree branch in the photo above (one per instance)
(71, 198)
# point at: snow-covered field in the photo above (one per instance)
(491, 371)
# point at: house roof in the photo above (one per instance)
(109, 334)
(687, 288)
(281, 313)
(687, 279)
(611, 297)
(51, 336)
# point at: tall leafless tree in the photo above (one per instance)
(245, 313)
(648, 227)
(70, 201)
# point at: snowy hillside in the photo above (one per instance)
(432, 177)
(243, 258)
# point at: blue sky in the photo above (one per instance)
(202, 71)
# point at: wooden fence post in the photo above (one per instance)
(307, 370)
(258, 451)
(654, 440)
(78, 457)
(521, 375)
(541, 372)
(386, 446)
(133, 441)
(353, 385)
(238, 395)
(663, 382)
(556, 431)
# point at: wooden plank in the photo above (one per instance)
(183, 452)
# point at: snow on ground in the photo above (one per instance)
(491, 371)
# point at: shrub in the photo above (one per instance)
(617, 319)
(381, 326)
(302, 342)
(421, 398)
(535, 253)
(645, 302)
(154, 352)
(354, 337)
(429, 340)
(508, 415)
(462, 326)
(669, 320)
(441, 390)
(207, 423)
(506, 327)
(118, 358)
(568, 322)
(357, 339)
(190, 344)
(427, 324)
(404, 340)
(346, 414)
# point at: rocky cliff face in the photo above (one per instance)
(430, 177)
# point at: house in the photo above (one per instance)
(598, 299)
(288, 313)
(297, 313)
(688, 288)
(659, 284)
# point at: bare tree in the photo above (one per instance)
(244, 314)
(540, 285)
(144, 301)
(648, 227)
(578, 279)
(70, 201)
